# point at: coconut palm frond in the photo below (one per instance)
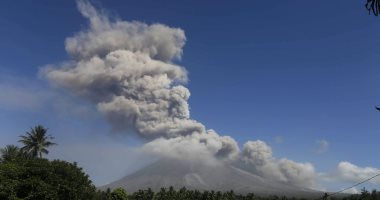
(373, 6)
(36, 141)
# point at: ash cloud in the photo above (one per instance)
(208, 147)
(127, 70)
(258, 155)
(104, 36)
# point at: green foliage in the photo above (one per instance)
(143, 195)
(43, 179)
(10, 153)
(36, 141)
(119, 194)
(184, 194)
(25, 176)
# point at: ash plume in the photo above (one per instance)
(258, 156)
(128, 70)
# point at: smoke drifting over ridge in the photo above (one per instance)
(259, 156)
(127, 70)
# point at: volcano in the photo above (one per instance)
(203, 176)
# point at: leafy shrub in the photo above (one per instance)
(44, 179)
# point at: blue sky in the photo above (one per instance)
(295, 70)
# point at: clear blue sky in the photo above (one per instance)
(300, 70)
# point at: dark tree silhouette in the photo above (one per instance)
(373, 6)
(36, 141)
(9, 153)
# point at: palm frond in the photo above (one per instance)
(36, 140)
(9, 153)
(373, 6)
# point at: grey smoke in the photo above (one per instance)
(258, 155)
(157, 41)
(128, 71)
(208, 147)
(198, 176)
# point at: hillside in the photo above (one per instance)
(201, 176)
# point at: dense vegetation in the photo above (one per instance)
(184, 194)
(24, 174)
(364, 195)
(37, 178)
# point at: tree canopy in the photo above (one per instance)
(37, 178)
(36, 141)
(24, 175)
(119, 194)
(9, 153)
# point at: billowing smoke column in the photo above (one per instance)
(258, 155)
(127, 70)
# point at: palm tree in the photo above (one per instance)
(374, 6)
(36, 141)
(9, 153)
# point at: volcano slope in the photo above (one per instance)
(205, 176)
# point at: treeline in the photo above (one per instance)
(25, 174)
(38, 178)
(184, 194)
(364, 195)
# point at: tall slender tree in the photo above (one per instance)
(36, 141)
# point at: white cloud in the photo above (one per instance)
(347, 171)
(347, 174)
